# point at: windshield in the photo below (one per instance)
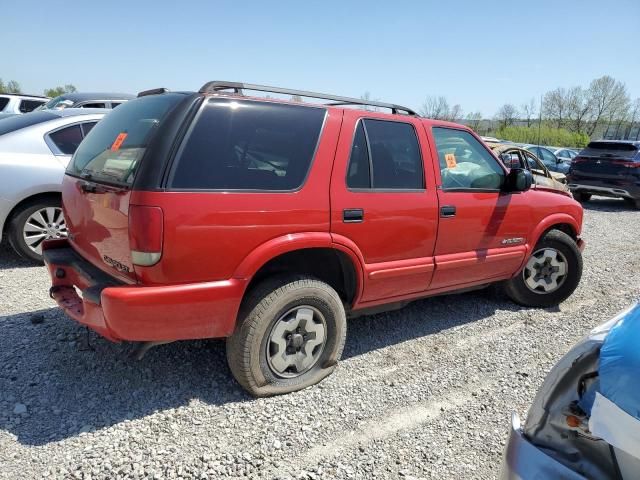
(58, 103)
(16, 122)
(114, 147)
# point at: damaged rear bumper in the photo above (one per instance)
(120, 311)
(524, 461)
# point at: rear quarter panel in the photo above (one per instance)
(207, 235)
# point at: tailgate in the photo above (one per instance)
(96, 190)
(98, 225)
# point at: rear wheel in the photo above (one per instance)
(290, 334)
(35, 222)
(582, 197)
(551, 273)
(633, 202)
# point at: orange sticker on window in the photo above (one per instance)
(115, 146)
(450, 158)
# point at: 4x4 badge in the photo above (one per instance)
(512, 241)
(115, 264)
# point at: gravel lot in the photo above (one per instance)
(424, 392)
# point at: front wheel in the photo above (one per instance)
(551, 274)
(290, 334)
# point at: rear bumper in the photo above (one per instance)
(623, 190)
(522, 460)
(119, 311)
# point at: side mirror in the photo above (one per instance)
(518, 180)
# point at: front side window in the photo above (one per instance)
(385, 155)
(248, 145)
(464, 163)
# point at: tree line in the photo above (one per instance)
(581, 112)
(14, 87)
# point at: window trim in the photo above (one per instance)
(366, 135)
(465, 189)
(175, 161)
(52, 145)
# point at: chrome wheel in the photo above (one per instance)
(296, 341)
(545, 271)
(41, 225)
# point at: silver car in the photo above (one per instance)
(34, 151)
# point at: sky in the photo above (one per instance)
(480, 54)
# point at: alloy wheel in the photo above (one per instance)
(44, 224)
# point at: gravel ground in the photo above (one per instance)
(424, 392)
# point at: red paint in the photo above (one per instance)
(213, 243)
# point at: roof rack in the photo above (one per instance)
(237, 87)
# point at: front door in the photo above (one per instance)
(483, 231)
(384, 202)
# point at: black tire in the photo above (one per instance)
(17, 222)
(633, 202)
(264, 306)
(519, 292)
(581, 197)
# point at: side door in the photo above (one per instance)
(384, 201)
(483, 231)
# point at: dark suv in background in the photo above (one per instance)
(609, 168)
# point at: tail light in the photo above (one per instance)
(145, 234)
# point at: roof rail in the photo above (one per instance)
(153, 91)
(237, 87)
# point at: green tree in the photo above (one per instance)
(57, 91)
(10, 87)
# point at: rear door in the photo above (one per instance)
(483, 231)
(96, 189)
(384, 201)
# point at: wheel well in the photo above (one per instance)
(326, 264)
(33, 198)
(563, 227)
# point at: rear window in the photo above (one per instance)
(11, 124)
(113, 149)
(610, 149)
(248, 145)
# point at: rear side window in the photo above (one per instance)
(114, 147)
(385, 155)
(4, 101)
(246, 145)
(67, 139)
(464, 163)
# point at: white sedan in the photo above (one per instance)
(35, 149)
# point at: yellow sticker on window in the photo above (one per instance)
(450, 158)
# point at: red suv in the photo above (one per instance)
(214, 214)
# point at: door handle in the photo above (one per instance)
(353, 215)
(448, 211)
